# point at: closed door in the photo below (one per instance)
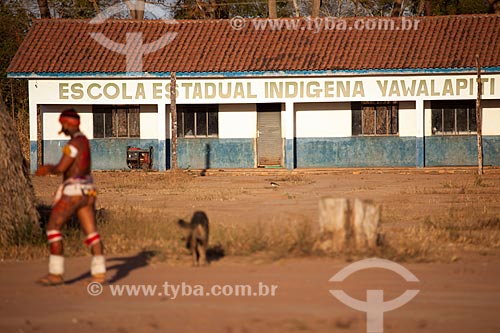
(269, 140)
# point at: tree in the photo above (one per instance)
(73, 9)
(43, 5)
(136, 9)
(224, 9)
(455, 7)
(18, 214)
(495, 6)
(396, 9)
(14, 23)
(272, 9)
(316, 4)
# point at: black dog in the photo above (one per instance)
(197, 239)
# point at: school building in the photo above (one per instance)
(324, 93)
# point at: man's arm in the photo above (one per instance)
(69, 154)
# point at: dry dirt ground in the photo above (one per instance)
(459, 292)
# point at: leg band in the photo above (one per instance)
(92, 239)
(98, 265)
(56, 264)
(54, 236)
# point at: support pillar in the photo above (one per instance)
(162, 136)
(290, 162)
(34, 122)
(420, 133)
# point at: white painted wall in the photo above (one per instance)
(407, 119)
(237, 121)
(323, 120)
(258, 90)
(149, 122)
(428, 118)
(51, 125)
(491, 117)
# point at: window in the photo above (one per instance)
(374, 118)
(453, 117)
(197, 121)
(116, 121)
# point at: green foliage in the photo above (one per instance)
(75, 9)
(456, 7)
(14, 23)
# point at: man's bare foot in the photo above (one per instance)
(99, 278)
(51, 280)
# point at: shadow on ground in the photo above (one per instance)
(121, 267)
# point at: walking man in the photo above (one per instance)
(76, 194)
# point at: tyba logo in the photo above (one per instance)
(374, 306)
(134, 49)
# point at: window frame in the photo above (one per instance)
(391, 124)
(196, 109)
(114, 110)
(455, 106)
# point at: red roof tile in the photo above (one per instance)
(207, 46)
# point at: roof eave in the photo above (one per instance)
(246, 74)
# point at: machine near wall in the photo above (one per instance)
(139, 158)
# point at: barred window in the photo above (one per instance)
(197, 120)
(116, 121)
(453, 117)
(374, 118)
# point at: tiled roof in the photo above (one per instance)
(60, 46)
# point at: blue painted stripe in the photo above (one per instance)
(460, 150)
(149, 75)
(107, 154)
(33, 156)
(162, 162)
(214, 153)
(356, 152)
(420, 152)
(290, 157)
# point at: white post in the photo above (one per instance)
(290, 162)
(162, 136)
(32, 85)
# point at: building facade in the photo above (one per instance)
(253, 98)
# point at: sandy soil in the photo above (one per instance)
(455, 296)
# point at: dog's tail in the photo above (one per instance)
(184, 224)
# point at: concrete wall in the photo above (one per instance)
(213, 153)
(316, 123)
(107, 153)
(355, 152)
(323, 120)
(461, 150)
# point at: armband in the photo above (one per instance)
(70, 150)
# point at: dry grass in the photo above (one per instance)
(172, 179)
(459, 223)
(442, 238)
(292, 178)
(133, 230)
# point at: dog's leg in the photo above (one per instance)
(194, 250)
(202, 249)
